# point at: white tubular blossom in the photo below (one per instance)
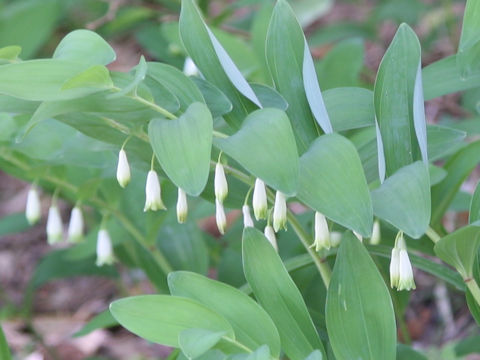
(54, 225)
(220, 217)
(322, 234)
(280, 212)
(182, 206)
(153, 193)
(123, 169)
(259, 201)
(220, 181)
(104, 248)
(247, 218)
(33, 208)
(376, 235)
(270, 235)
(75, 226)
(189, 67)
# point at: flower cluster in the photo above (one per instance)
(401, 273)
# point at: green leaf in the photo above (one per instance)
(269, 97)
(96, 77)
(403, 199)
(468, 56)
(470, 345)
(460, 248)
(359, 311)
(100, 321)
(269, 133)
(474, 214)
(196, 342)
(331, 181)
(443, 77)
(4, 349)
(197, 42)
(182, 147)
(349, 107)
(262, 353)
(86, 47)
(458, 168)
(216, 100)
(398, 100)
(10, 53)
(277, 293)
(443, 141)
(140, 73)
(251, 324)
(285, 50)
(42, 80)
(12, 224)
(405, 352)
(161, 318)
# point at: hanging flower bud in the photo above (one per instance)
(104, 248)
(335, 238)
(259, 202)
(270, 235)
(189, 67)
(33, 209)
(358, 236)
(322, 234)
(123, 169)
(75, 227)
(280, 212)
(220, 217)
(182, 206)
(221, 186)
(375, 239)
(394, 268)
(54, 225)
(247, 218)
(153, 198)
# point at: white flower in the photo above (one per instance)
(153, 194)
(247, 218)
(270, 235)
(394, 267)
(54, 225)
(280, 212)
(376, 236)
(220, 217)
(189, 67)
(335, 238)
(75, 227)
(322, 234)
(123, 169)
(220, 182)
(104, 248)
(182, 206)
(33, 209)
(405, 281)
(259, 200)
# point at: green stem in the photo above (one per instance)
(219, 134)
(155, 107)
(474, 289)
(432, 234)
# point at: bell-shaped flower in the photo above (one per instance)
(189, 67)
(182, 206)
(54, 225)
(123, 169)
(335, 238)
(259, 201)
(270, 235)
(280, 212)
(33, 208)
(247, 218)
(153, 194)
(220, 217)
(394, 267)
(322, 234)
(376, 236)
(75, 226)
(220, 183)
(406, 280)
(104, 248)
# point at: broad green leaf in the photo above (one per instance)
(349, 107)
(474, 214)
(398, 103)
(331, 181)
(359, 311)
(458, 168)
(405, 352)
(183, 146)
(86, 47)
(265, 146)
(12, 224)
(216, 100)
(96, 77)
(161, 318)
(443, 77)
(443, 141)
(196, 342)
(10, 53)
(101, 321)
(140, 73)
(258, 34)
(251, 324)
(470, 345)
(460, 248)
(436, 173)
(307, 11)
(468, 56)
(403, 199)
(176, 82)
(262, 353)
(276, 292)
(269, 97)
(4, 349)
(197, 42)
(42, 80)
(285, 49)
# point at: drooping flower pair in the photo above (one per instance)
(401, 273)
